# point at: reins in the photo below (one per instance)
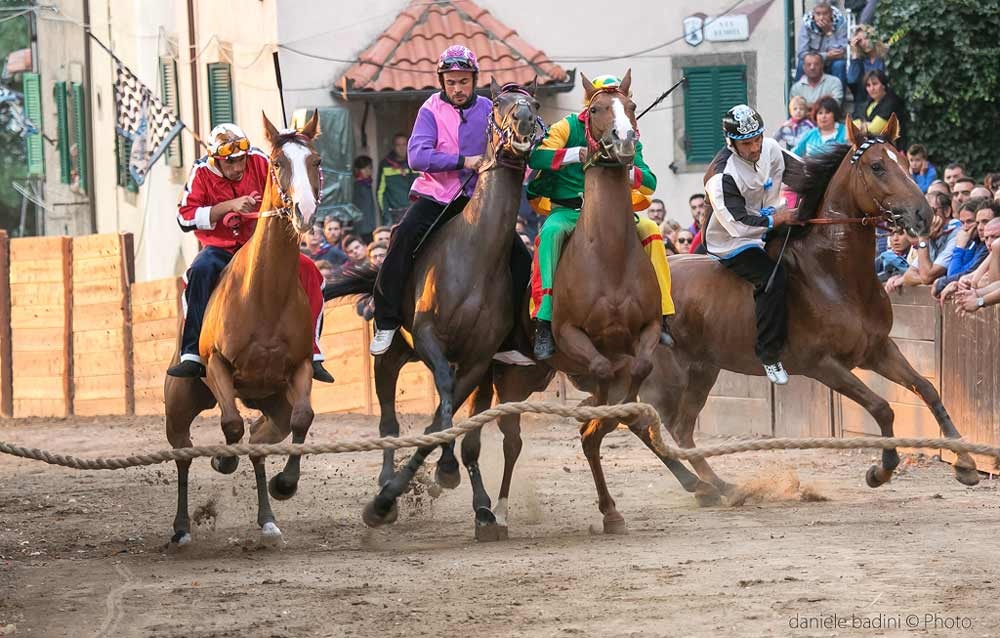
(879, 220)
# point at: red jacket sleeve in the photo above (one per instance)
(193, 211)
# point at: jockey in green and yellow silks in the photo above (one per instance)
(558, 193)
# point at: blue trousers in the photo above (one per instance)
(836, 68)
(202, 277)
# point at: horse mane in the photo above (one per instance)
(810, 179)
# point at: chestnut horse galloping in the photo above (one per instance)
(256, 337)
(839, 314)
(606, 299)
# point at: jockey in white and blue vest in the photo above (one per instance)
(745, 192)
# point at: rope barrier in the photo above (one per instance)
(623, 412)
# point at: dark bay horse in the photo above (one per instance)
(458, 306)
(839, 314)
(256, 335)
(606, 301)
(839, 318)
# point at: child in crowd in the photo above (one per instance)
(797, 125)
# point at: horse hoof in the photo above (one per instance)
(270, 533)
(181, 538)
(225, 464)
(967, 475)
(372, 518)
(447, 478)
(614, 523)
(280, 488)
(485, 516)
(491, 533)
(708, 496)
(873, 477)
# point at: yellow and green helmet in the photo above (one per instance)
(604, 83)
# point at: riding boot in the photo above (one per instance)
(545, 345)
(187, 369)
(320, 373)
(666, 338)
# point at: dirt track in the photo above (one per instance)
(82, 553)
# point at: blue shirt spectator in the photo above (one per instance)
(921, 171)
(829, 128)
(824, 31)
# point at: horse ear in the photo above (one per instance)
(533, 87)
(588, 86)
(494, 87)
(627, 82)
(891, 131)
(854, 135)
(270, 132)
(311, 129)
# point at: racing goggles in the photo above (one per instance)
(241, 145)
(456, 64)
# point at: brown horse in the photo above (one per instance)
(458, 305)
(839, 314)
(255, 336)
(840, 317)
(606, 301)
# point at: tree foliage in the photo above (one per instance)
(13, 160)
(944, 61)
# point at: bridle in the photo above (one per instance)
(603, 149)
(883, 216)
(501, 133)
(232, 220)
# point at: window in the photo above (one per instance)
(32, 86)
(72, 132)
(220, 94)
(710, 91)
(170, 94)
(62, 129)
(79, 152)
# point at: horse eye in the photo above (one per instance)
(593, 110)
(536, 105)
(877, 167)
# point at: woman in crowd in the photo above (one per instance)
(867, 54)
(829, 128)
(882, 103)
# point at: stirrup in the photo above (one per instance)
(776, 373)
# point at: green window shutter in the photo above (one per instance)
(32, 86)
(80, 135)
(220, 94)
(62, 118)
(708, 94)
(170, 92)
(123, 148)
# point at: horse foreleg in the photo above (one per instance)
(432, 353)
(486, 521)
(382, 509)
(891, 364)
(219, 378)
(834, 374)
(387, 368)
(642, 362)
(576, 344)
(285, 483)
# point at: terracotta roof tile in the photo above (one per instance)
(404, 56)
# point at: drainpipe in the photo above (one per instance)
(193, 48)
(790, 60)
(89, 126)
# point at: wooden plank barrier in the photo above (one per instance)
(156, 312)
(970, 377)
(41, 326)
(102, 326)
(6, 390)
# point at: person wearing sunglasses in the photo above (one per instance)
(447, 147)
(230, 179)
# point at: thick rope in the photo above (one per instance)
(635, 412)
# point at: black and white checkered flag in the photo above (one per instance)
(142, 118)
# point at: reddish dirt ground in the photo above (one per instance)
(812, 551)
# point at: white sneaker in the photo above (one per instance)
(776, 373)
(381, 341)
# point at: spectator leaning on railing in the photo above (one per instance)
(970, 249)
(979, 291)
(934, 253)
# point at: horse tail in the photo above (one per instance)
(352, 280)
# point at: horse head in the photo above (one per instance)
(296, 177)
(886, 190)
(610, 122)
(514, 126)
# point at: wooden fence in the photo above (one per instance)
(81, 338)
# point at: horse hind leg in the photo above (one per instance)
(447, 474)
(387, 368)
(184, 399)
(891, 364)
(591, 435)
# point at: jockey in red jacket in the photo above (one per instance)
(230, 179)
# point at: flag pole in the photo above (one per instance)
(281, 93)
